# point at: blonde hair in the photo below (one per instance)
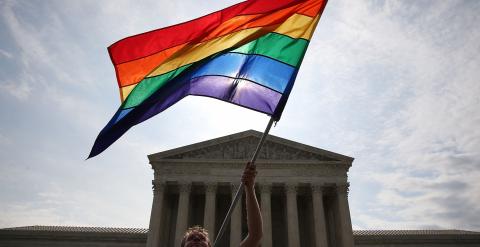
(192, 230)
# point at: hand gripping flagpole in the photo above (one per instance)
(239, 192)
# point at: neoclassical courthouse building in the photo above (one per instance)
(302, 190)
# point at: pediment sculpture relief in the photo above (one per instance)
(244, 148)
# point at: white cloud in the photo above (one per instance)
(38, 61)
(60, 207)
(24, 215)
(5, 53)
(434, 130)
(20, 90)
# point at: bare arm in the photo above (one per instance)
(254, 217)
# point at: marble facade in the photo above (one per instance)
(302, 191)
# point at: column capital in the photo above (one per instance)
(342, 188)
(265, 188)
(318, 187)
(158, 186)
(291, 188)
(211, 187)
(184, 187)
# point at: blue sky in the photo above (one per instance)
(392, 83)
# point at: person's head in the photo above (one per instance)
(196, 236)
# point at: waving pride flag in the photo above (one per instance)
(247, 54)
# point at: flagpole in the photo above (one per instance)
(239, 192)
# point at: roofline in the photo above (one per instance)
(239, 135)
(125, 230)
(76, 229)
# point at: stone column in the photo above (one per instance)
(292, 215)
(265, 195)
(319, 216)
(344, 215)
(209, 215)
(182, 214)
(154, 230)
(236, 220)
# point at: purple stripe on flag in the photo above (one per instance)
(236, 91)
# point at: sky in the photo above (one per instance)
(394, 84)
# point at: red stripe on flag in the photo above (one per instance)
(148, 43)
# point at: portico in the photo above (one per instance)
(302, 191)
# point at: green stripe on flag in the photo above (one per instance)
(277, 46)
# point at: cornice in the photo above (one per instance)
(197, 148)
(189, 171)
(244, 161)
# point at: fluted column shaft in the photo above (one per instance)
(319, 216)
(236, 221)
(265, 195)
(154, 230)
(182, 214)
(344, 211)
(209, 215)
(292, 215)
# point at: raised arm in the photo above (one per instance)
(254, 217)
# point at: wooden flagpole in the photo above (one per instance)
(239, 192)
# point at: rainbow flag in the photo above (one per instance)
(247, 54)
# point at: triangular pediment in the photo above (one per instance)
(242, 145)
